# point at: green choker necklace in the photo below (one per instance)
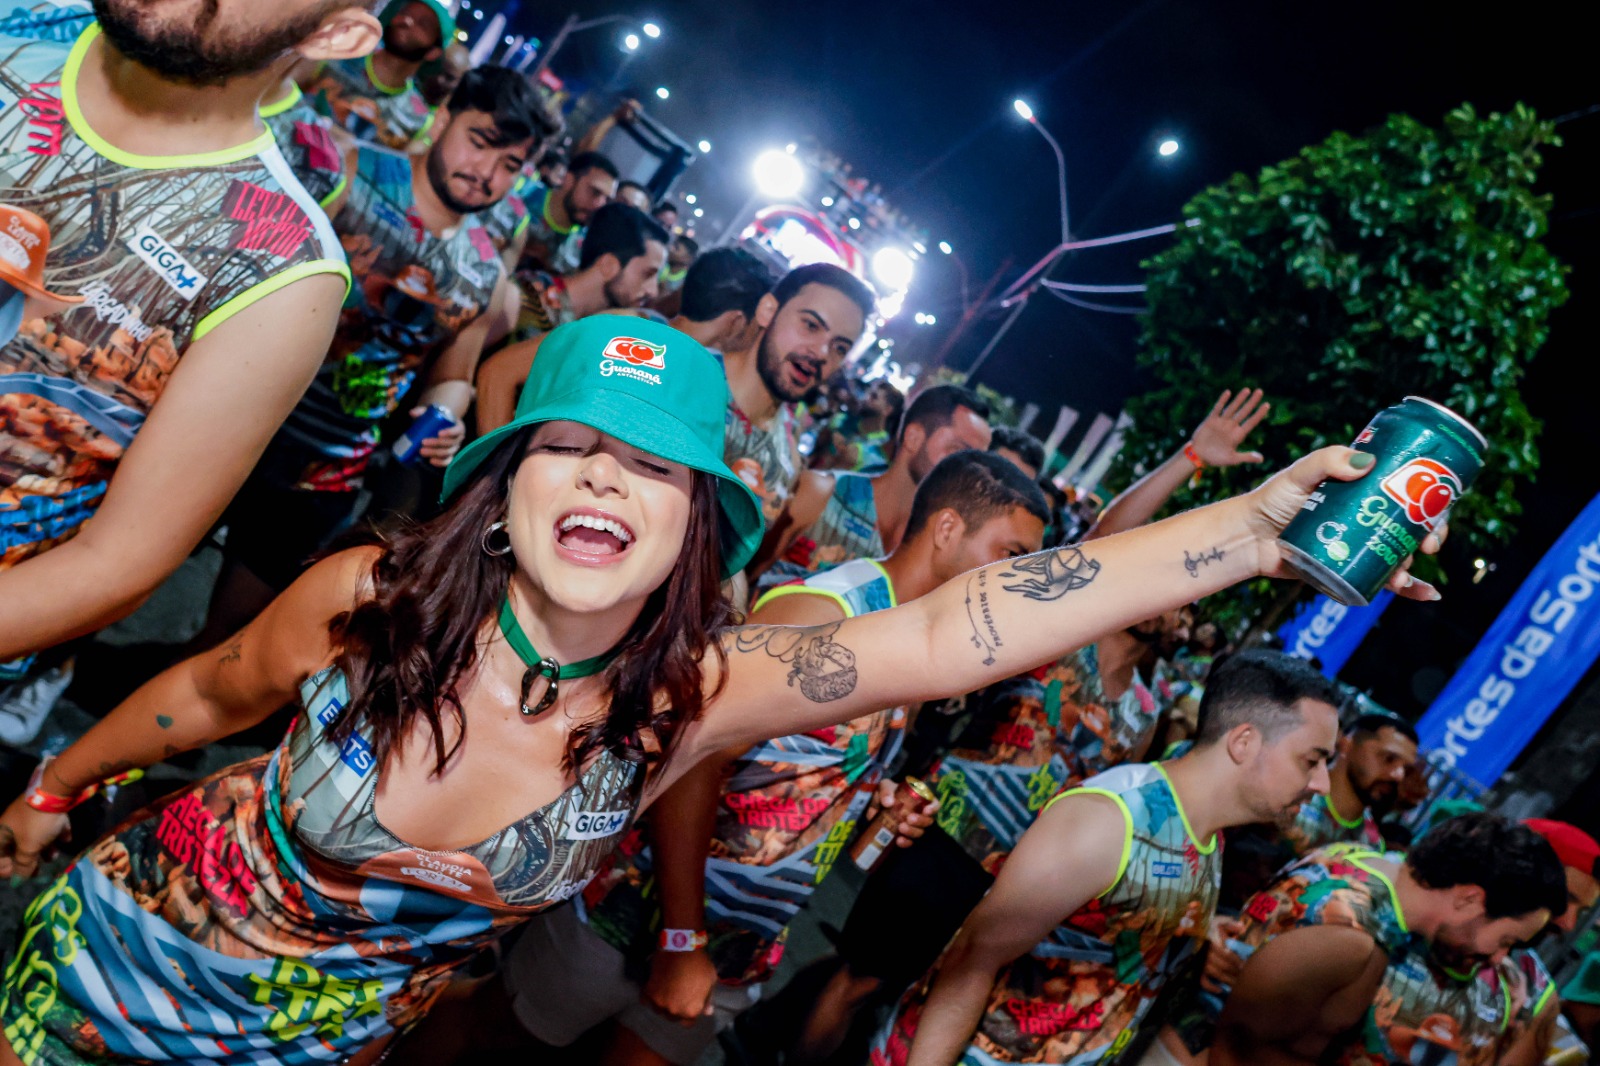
(543, 665)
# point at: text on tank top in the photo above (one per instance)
(163, 250)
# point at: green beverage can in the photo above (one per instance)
(1351, 535)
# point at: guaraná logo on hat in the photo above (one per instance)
(637, 352)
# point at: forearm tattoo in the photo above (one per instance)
(823, 669)
(1193, 563)
(985, 634)
(1050, 575)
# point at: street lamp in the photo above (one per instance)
(661, 91)
(689, 199)
(893, 267)
(779, 175)
(577, 25)
(1026, 112)
(944, 246)
(631, 42)
(1168, 147)
(705, 147)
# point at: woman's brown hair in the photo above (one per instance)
(405, 651)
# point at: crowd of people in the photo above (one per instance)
(582, 554)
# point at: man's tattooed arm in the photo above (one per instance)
(1050, 575)
(980, 612)
(821, 668)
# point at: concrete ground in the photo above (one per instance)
(121, 652)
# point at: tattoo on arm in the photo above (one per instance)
(824, 670)
(1193, 563)
(985, 634)
(231, 652)
(1051, 575)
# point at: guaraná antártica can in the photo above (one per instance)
(1351, 535)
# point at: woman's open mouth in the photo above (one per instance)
(592, 537)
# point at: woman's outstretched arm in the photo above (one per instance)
(1000, 620)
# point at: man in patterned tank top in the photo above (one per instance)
(1116, 883)
(808, 324)
(209, 284)
(426, 274)
(1347, 957)
(375, 98)
(739, 846)
(1373, 755)
(838, 515)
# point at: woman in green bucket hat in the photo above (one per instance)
(555, 642)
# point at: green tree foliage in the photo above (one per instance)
(1404, 262)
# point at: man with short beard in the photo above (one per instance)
(559, 213)
(1319, 945)
(426, 272)
(621, 266)
(211, 285)
(808, 324)
(375, 98)
(838, 515)
(1115, 884)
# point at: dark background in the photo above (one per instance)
(917, 96)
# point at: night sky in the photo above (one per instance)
(917, 96)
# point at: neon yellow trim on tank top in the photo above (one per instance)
(1127, 828)
(387, 90)
(544, 210)
(80, 125)
(274, 110)
(1327, 801)
(810, 590)
(1544, 997)
(1357, 860)
(268, 287)
(1204, 849)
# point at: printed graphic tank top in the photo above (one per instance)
(1079, 996)
(767, 458)
(163, 250)
(1031, 736)
(304, 140)
(846, 529)
(266, 915)
(384, 114)
(789, 808)
(414, 294)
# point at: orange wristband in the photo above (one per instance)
(1193, 456)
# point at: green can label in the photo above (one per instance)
(1351, 535)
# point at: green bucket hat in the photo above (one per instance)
(643, 383)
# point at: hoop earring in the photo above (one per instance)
(494, 547)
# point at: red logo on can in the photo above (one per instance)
(1366, 435)
(1425, 488)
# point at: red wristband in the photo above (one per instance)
(1193, 456)
(683, 939)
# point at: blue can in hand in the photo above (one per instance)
(408, 449)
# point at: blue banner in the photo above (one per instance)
(1526, 664)
(1330, 632)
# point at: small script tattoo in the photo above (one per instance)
(823, 670)
(985, 634)
(232, 652)
(1050, 575)
(1193, 563)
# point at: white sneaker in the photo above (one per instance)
(25, 704)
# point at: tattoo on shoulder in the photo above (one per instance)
(985, 634)
(232, 651)
(823, 669)
(1193, 563)
(1050, 575)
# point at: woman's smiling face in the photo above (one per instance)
(594, 522)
